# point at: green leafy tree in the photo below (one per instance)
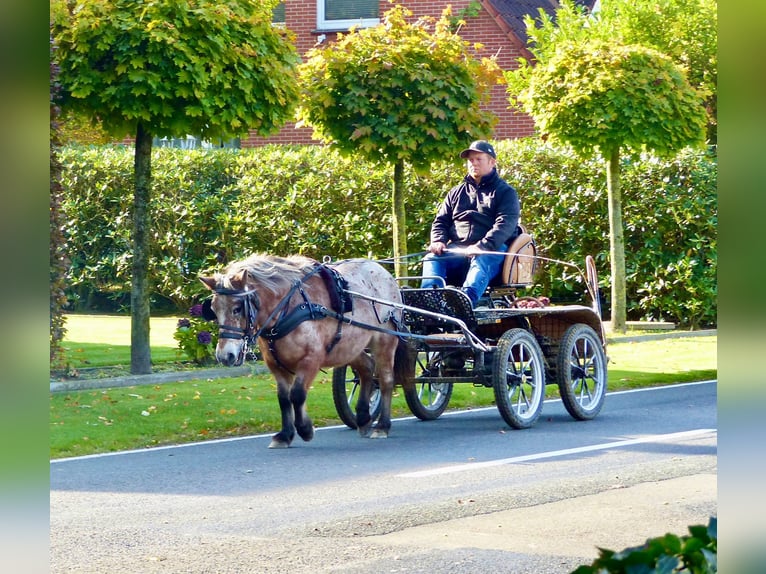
(606, 98)
(168, 68)
(684, 30)
(402, 92)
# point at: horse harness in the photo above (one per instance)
(285, 320)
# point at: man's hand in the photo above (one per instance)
(437, 247)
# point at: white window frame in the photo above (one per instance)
(323, 24)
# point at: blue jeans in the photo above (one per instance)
(481, 270)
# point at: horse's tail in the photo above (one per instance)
(404, 364)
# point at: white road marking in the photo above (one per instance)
(554, 453)
(266, 435)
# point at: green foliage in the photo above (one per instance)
(76, 129)
(669, 215)
(404, 90)
(472, 10)
(597, 95)
(58, 260)
(677, 239)
(696, 553)
(684, 30)
(197, 337)
(213, 207)
(203, 67)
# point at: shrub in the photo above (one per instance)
(197, 337)
(696, 553)
(212, 207)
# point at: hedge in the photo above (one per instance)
(211, 207)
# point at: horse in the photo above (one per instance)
(306, 316)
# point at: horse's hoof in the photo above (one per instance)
(278, 444)
(306, 435)
(364, 432)
(377, 433)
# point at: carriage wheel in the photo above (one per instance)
(518, 377)
(581, 372)
(427, 400)
(346, 385)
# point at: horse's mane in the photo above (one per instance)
(272, 272)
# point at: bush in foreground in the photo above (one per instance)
(696, 553)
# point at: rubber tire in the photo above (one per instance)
(345, 399)
(441, 393)
(581, 372)
(519, 359)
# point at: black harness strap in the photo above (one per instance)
(283, 321)
(341, 303)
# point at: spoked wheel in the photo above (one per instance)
(427, 400)
(581, 372)
(346, 385)
(518, 377)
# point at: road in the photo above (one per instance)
(461, 494)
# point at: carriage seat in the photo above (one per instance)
(520, 263)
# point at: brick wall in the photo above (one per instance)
(487, 28)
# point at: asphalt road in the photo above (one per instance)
(461, 494)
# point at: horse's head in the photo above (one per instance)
(235, 308)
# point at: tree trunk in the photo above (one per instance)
(399, 220)
(140, 351)
(616, 242)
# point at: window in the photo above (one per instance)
(278, 14)
(342, 14)
(194, 142)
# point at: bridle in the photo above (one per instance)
(251, 304)
(282, 320)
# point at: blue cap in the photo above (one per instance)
(479, 145)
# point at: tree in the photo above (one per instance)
(168, 68)
(398, 92)
(684, 30)
(59, 262)
(598, 96)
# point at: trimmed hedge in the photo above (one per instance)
(211, 207)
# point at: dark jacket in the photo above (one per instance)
(487, 214)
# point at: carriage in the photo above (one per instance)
(376, 331)
(511, 343)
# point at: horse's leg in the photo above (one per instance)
(303, 423)
(363, 366)
(285, 436)
(396, 368)
(386, 383)
(384, 359)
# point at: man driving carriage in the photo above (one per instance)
(480, 216)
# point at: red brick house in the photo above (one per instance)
(498, 24)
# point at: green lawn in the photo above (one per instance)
(104, 340)
(104, 420)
